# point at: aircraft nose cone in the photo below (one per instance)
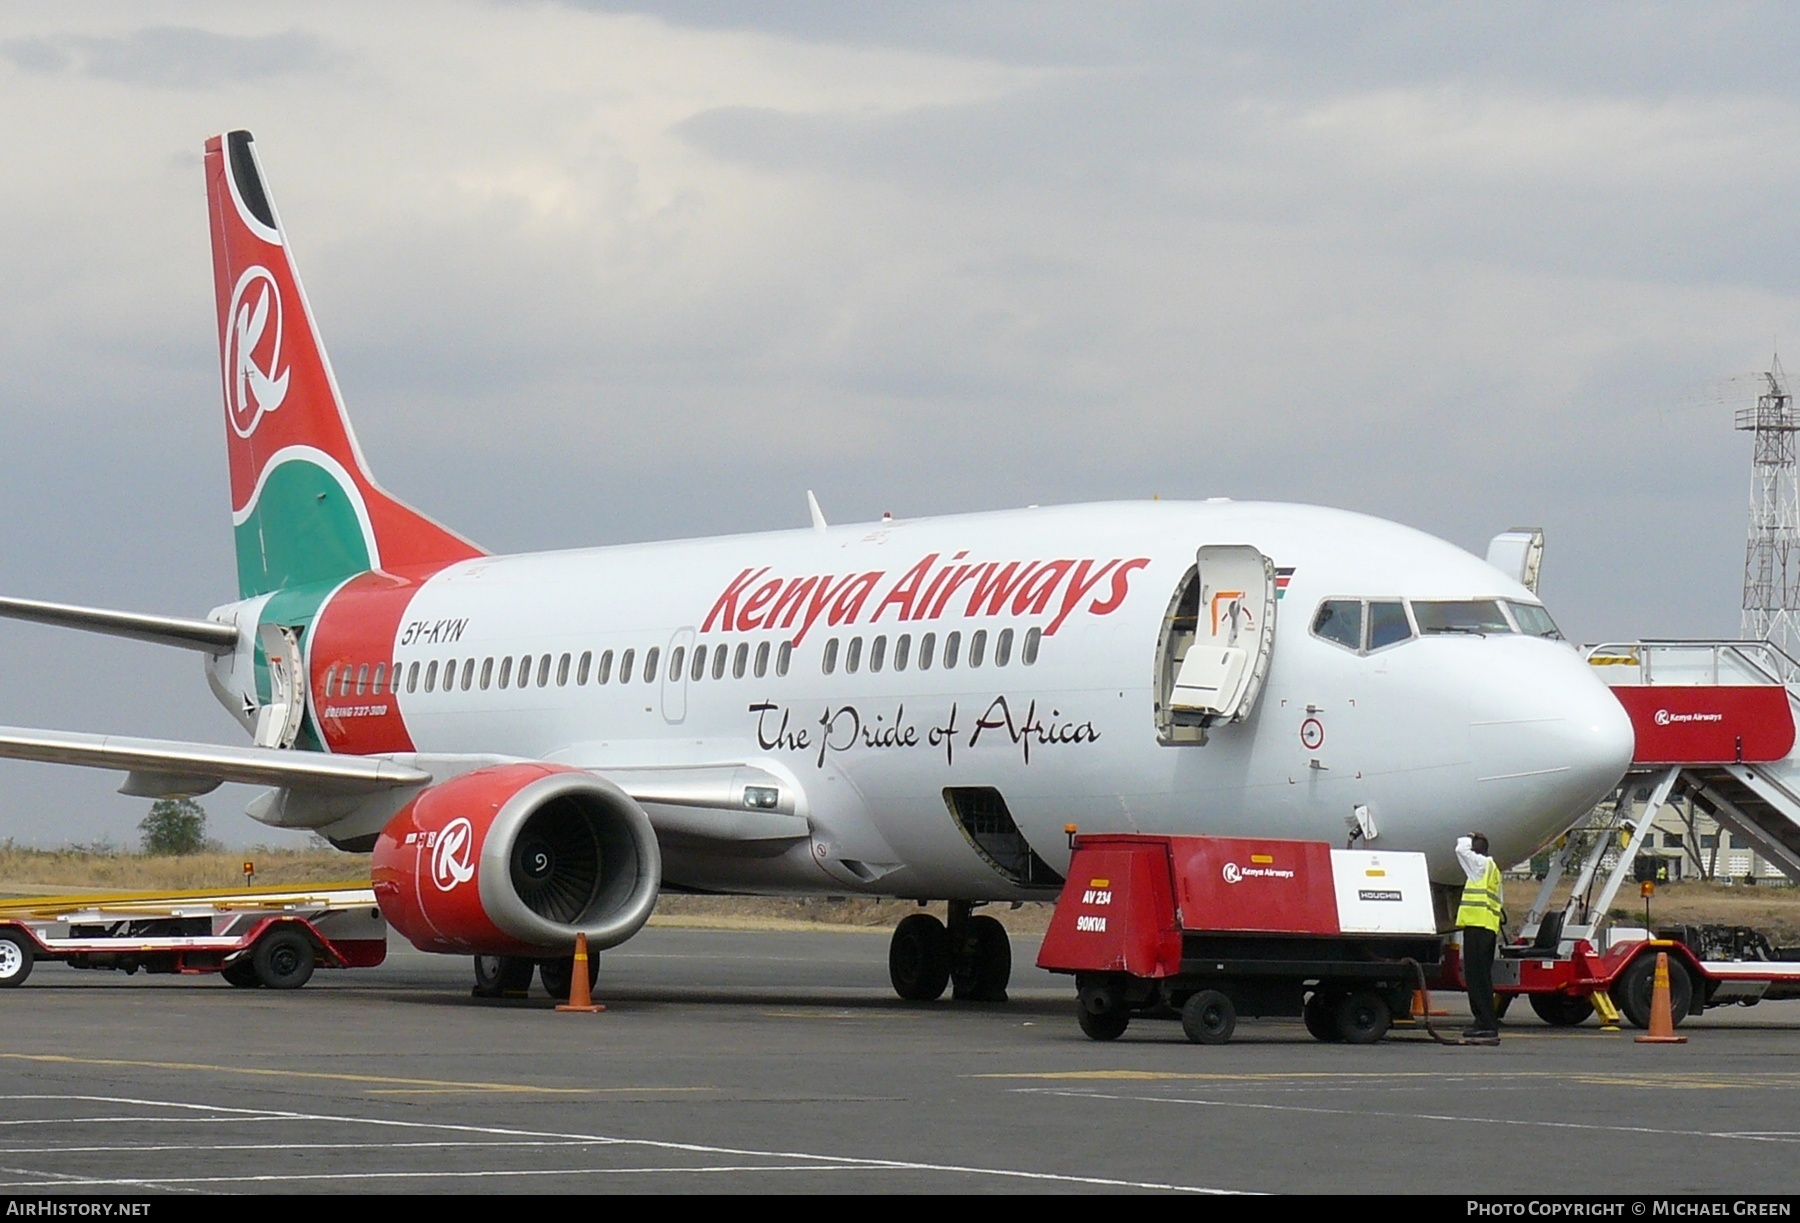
(1564, 748)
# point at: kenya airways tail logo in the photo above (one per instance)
(255, 379)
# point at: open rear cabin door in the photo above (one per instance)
(1216, 642)
(278, 722)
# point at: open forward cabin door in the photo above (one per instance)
(1216, 641)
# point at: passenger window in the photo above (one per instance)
(331, 674)
(524, 670)
(412, 677)
(902, 647)
(487, 673)
(1029, 655)
(544, 671)
(699, 663)
(877, 653)
(562, 671)
(926, 643)
(977, 646)
(783, 657)
(506, 670)
(828, 664)
(581, 668)
(741, 659)
(1003, 647)
(431, 675)
(380, 674)
(1388, 624)
(625, 661)
(951, 642)
(762, 659)
(650, 657)
(468, 674)
(1340, 621)
(720, 659)
(605, 671)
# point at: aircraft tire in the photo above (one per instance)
(1208, 1018)
(558, 975)
(501, 976)
(984, 966)
(15, 960)
(919, 958)
(284, 959)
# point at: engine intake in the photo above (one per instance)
(516, 860)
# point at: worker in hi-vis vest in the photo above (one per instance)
(1479, 919)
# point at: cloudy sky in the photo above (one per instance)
(598, 272)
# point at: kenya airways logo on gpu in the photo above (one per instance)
(255, 379)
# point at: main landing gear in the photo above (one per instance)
(970, 955)
(509, 976)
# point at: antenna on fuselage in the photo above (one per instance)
(812, 507)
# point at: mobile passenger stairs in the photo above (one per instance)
(250, 936)
(1715, 722)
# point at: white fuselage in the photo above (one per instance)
(1438, 735)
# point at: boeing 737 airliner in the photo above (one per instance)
(533, 746)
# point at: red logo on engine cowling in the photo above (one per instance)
(453, 857)
(255, 382)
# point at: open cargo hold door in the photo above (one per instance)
(1217, 642)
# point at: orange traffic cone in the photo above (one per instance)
(1662, 1023)
(1421, 1005)
(581, 1000)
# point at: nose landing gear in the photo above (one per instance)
(971, 956)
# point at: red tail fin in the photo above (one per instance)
(305, 507)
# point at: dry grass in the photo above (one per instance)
(1773, 910)
(38, 872)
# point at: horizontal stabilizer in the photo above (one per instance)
(207, 635)
(197, 763)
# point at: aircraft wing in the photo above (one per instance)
(163, 767)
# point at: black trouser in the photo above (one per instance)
(1478, 974)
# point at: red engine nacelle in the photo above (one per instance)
(516, 860)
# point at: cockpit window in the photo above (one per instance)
(1388, 624)
(1340, 620)
(1534, 621)
(1477, 616)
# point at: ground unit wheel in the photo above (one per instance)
(558, 975)
(1363, 1018)
(1109, 1026)
(15, 959)
(1208, 1018)
(1320, 1015)
(283, 959)
(919, 958)
(982, 965)
(1561, 1010)
(1635, 988)
(241, 972)
(502, 976)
